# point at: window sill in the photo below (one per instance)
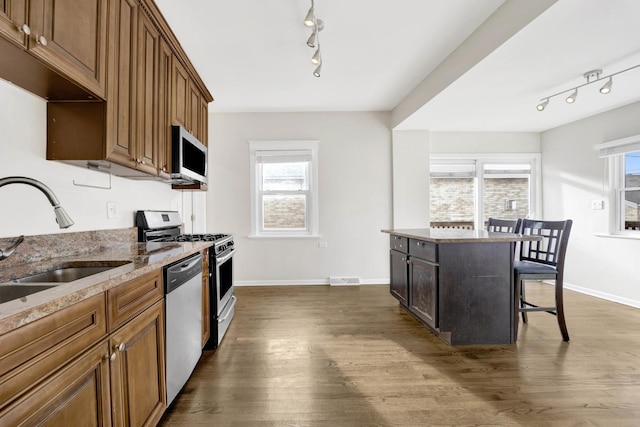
(285, 236)
(619, 236)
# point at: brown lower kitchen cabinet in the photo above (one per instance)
(137, 367)
(458, 283)
(98, 362)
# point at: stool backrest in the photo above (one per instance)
(552, 248)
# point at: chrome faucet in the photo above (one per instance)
(62, 218)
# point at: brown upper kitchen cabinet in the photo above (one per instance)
(110, 105)
(13, 21)
(70, 36)
(147, 150)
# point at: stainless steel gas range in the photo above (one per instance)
(164, 226)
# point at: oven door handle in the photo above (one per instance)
(224, 259)
(232, 303)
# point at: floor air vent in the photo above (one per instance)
(344, 281)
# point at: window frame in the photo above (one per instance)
(613, 152)
(311, 212)
(480, 159)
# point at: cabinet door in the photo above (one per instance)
(399, 276)
(77, 395)
(70, 36)
(121, 113)
(13, 16)
(423, 285)
(180, 94)
(138, 370)
(193, 112)
(203, 115)
(164, 109)
(147, 95)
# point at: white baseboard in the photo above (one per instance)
(308, 282)
(603, 295)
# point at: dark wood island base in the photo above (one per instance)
(457, 282)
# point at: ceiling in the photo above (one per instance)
(253, 57)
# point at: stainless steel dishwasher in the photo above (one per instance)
(183, 321)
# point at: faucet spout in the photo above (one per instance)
(62, 218)
(4, 253)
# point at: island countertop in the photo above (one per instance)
(457, 235)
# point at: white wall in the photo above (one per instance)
(410, 179)
(572, 177)
(484, 142)
(24, 210)
(354, 196)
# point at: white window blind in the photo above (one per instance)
(618, 146)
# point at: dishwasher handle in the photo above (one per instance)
(182, 271)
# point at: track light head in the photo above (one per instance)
(316, 72)
(310, 19)
(543, 105)
(606, 88)
(311, 41)
(316, 58)
(572, 98)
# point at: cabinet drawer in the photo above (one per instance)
(399, 243)
(31, 353)
(423, 250)
(124, 302)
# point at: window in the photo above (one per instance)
(623, 160)
(465, 191)
(284, 187)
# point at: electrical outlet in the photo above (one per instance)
(112, 210)
(323, 244)
(597, 205)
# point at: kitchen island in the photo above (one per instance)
(457, 282)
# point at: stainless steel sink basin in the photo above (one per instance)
(11, 292)
(62, 273)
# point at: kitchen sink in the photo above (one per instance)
(62, 273)
(10, 292)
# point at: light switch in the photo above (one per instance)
(597, 205)
(112, 210)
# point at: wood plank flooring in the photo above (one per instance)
(350, 356)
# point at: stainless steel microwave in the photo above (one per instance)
(188, 157)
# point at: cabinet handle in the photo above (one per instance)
(111, 357)
(42, 40)
(419, 243)
(143, 162)
(119, 347)
(24, 29)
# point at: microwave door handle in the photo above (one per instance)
(224, 259)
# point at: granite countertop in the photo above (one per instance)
(140, 258)
(457, 235)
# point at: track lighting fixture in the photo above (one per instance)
(606, 88)
(314, 39)
(592, 77)
(543, 105)
(310, 19)
(311, 41)
(572, 98)
(316, 58)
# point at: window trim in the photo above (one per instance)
(312, 230)
(613, 152)
(480, 159)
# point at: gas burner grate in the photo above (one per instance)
(195, 238)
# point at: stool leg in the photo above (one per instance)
(560, 308)
(522, 300)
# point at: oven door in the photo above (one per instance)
(224, 279)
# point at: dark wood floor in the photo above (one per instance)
(350, 356)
